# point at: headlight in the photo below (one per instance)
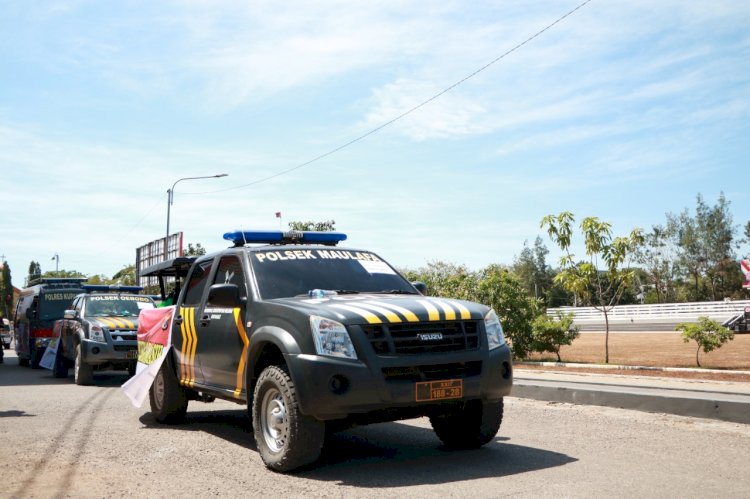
(96, 333)
(331, 338)
(495, 336)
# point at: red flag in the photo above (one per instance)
(278, 214)
(745, 267)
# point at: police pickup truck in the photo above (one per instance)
(99, 331)
(313, 337)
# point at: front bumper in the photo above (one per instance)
(121, 352)
(330, 388)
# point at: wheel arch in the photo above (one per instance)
(268, 346)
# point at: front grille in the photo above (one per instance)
(433, 372)
(404, 339)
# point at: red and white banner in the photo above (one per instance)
(745, 267)
(154, 341)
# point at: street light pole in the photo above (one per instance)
(170, 200)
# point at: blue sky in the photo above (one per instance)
(625, 110)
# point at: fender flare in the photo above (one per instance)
(279, 337)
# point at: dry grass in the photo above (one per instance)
(653, 349)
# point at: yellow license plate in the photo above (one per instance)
(439, 390)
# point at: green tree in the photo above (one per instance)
(326, 226)
(502, 291)
(707, 333)
(706, 251)
(63, 273)
(35, 271)
(658, 257)
(196, 250)
(532, 270)
(603, 288)
(446, 279)
(549, 334)
(6, 291)
(125, 276)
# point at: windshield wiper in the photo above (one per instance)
(393, 292)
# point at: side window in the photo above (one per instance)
(230, 272)
(197, 283)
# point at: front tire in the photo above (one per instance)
(60, 368)
(83, 373)
(34, 357)
(167, 398)
(469, 425)
(286, 438)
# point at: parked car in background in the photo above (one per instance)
(98, 331)
(6, 332)
(39, 305)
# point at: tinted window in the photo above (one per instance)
(116, 305)
(197, 283)
(53, 303)
(230, 272)
(285, 273)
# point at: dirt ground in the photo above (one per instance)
(656, 350)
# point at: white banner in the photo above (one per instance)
(154, 343)
(48, 359)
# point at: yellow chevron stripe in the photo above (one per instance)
(107, 322)
(410, 316)
(368, 316)
(183, 348)
(465, 314)
(383, 311)
(120, 324)
(193, 345)
(450, 314)
(129, 324)
(432, 312)
(245, 344)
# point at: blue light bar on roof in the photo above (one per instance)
(242, 237)
(107, 288)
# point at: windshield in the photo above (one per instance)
(116, 306)
(52, 305)
(286, 273)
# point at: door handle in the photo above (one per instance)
(178, 320)
(205, 320)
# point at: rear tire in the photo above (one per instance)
(286, 438)
(469, 425)
(83, 373)
(167, 398)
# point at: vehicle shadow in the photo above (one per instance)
(385, 455)
(11, 374)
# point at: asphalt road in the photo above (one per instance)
(62, 440)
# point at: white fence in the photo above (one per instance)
(658, 317)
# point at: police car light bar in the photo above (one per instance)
(107, 288)
(242, 237)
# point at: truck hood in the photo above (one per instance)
(387, 309)
(115, 323)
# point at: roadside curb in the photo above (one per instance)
(629, 368)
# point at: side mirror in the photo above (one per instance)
(225, 295)
(421, 287)
(70, 314)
